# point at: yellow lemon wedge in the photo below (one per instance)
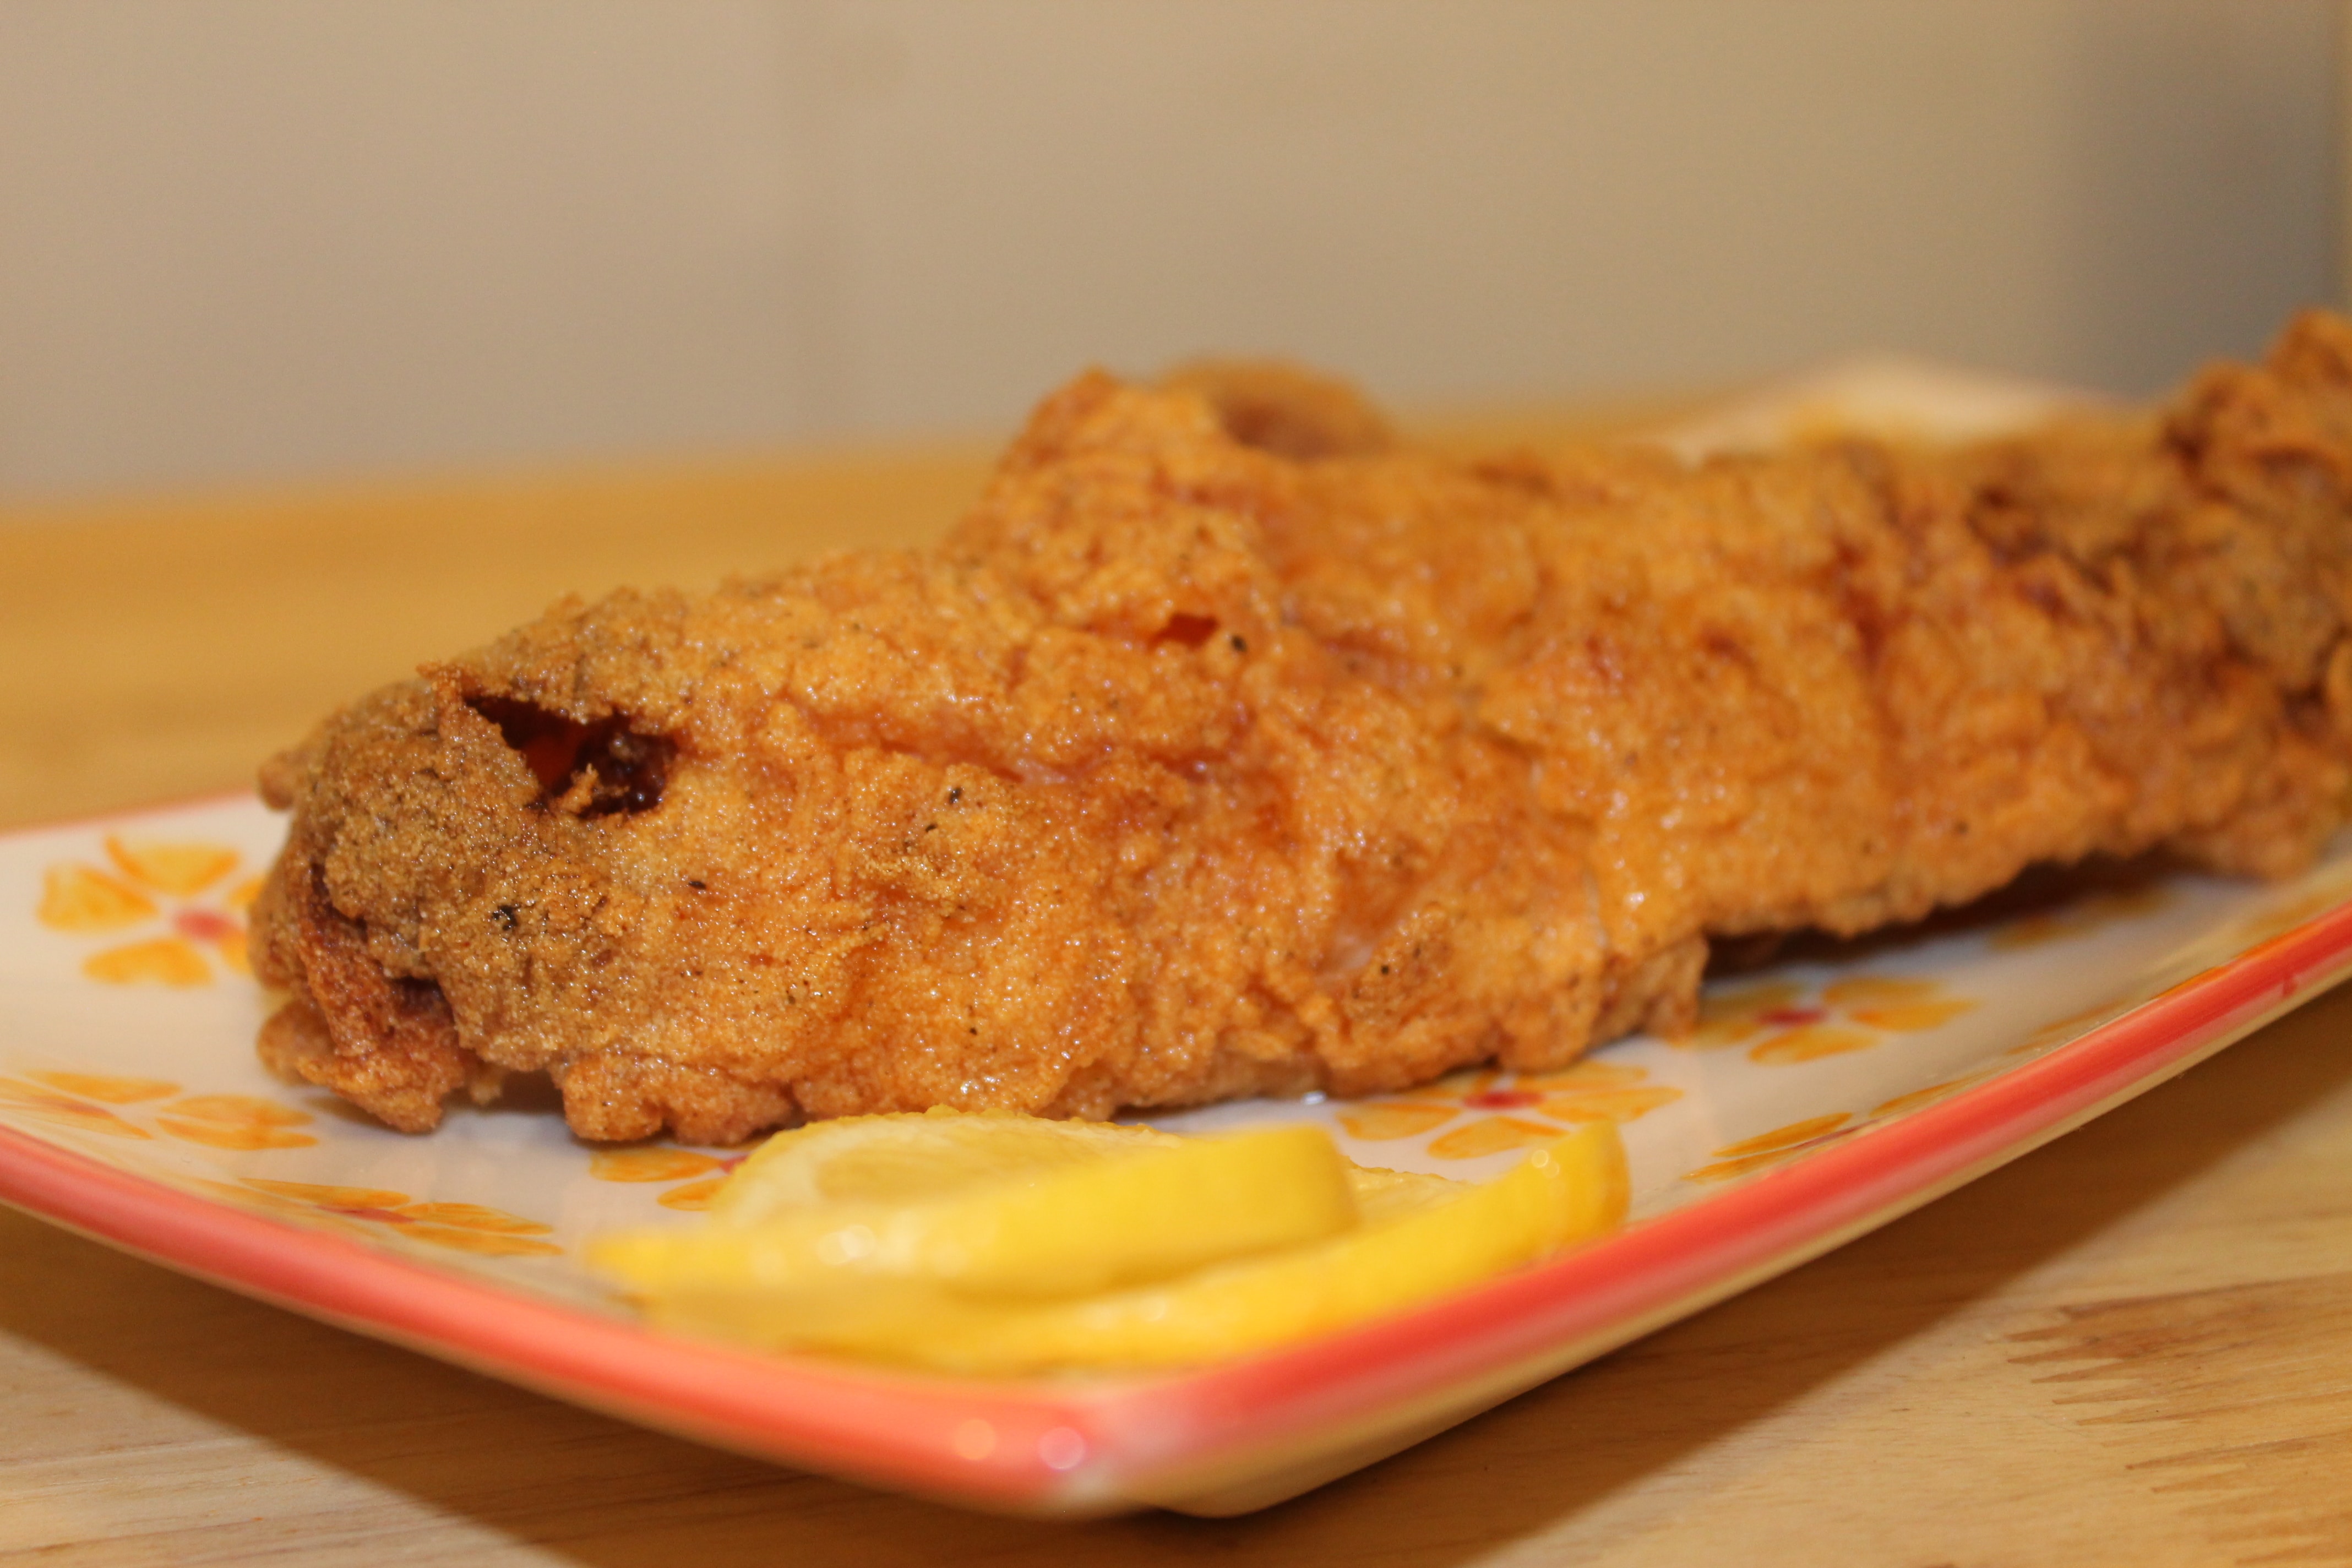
(1434, 1239)
(1050, 1198)
(915, 1157)
(986, 1206)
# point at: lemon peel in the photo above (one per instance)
(1032, 1224)
(1044, 1245)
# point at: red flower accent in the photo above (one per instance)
(1790, 1017)
(204, 925)
(1500, 1100)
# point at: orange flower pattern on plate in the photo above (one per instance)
(235, 1122)
(1771, 1148)
(81, 1100)
(1782, 1143)
(662, 1163)
(1780, 1026)
(146, 883)
(372, 1212)
(1503, 1115)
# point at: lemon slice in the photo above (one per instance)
(1383, 1195)
(914, 1158)
(917, 1156)
(1424, 1237)
(986, 1206)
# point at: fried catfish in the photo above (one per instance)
(1229, 746)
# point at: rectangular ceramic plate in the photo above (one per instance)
(1818, 1098)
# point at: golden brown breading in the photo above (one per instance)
(1189, 768)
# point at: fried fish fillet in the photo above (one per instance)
(1228, 747)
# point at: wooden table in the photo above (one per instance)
(2132, 1347)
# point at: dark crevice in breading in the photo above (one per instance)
(1188, 631)
(626, 770)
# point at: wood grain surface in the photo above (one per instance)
(2134, 1346)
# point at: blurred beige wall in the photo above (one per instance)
(248, 239)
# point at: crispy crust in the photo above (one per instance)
(1227, 748)
(387, 1045)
